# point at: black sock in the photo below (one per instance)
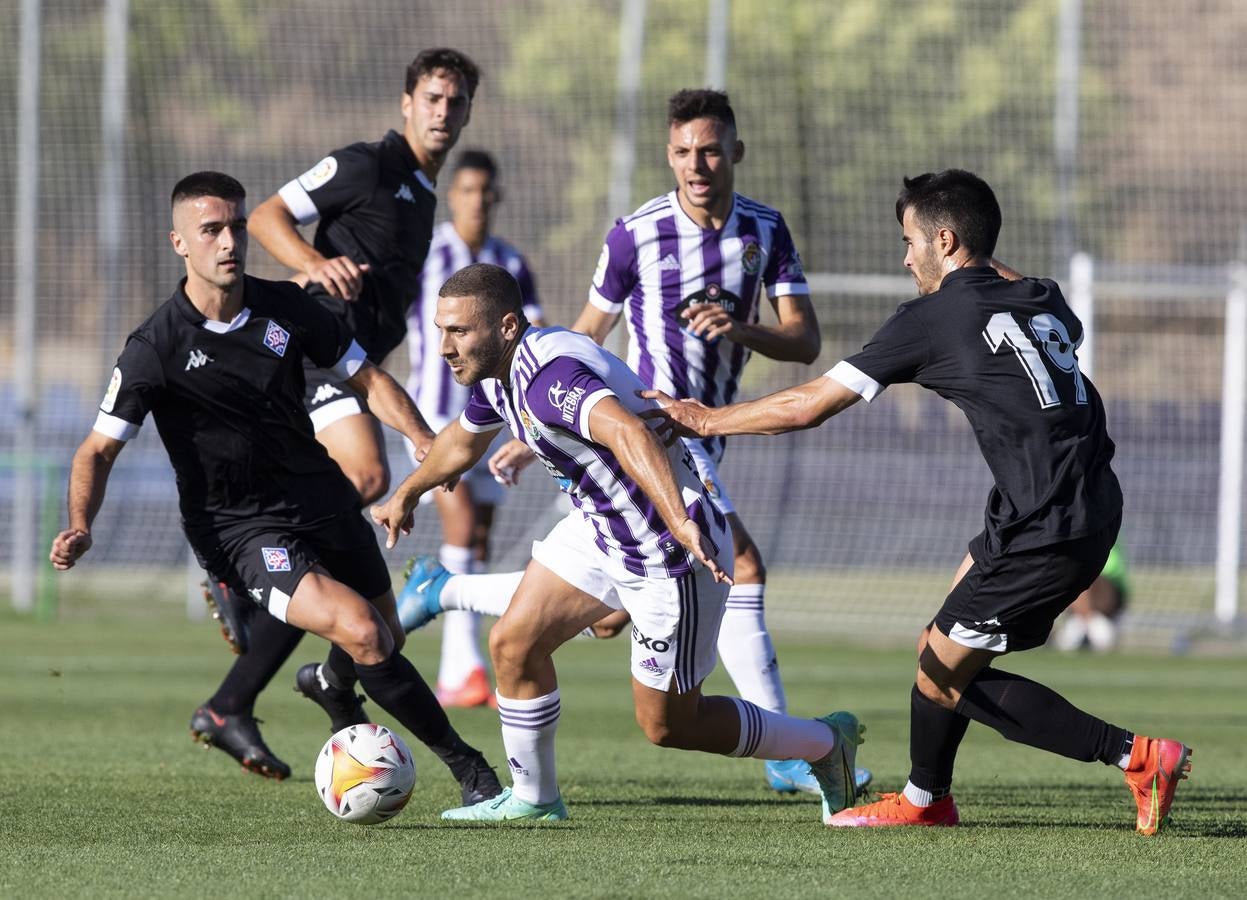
(272, 642)
(397, 688)
(935, 733)
(1029, 713)
(338, 670)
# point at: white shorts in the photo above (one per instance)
(708, 472)
(481, 484)
(675, 621)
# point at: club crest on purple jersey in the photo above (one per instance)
(527, 422)
(276, 338)
(751, 258)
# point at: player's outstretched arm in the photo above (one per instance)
(454, 451)
(392, 405)
(88, 477)
(645, 461)
(596, 323)
(795, 339)
(275, 227)
(793, 409)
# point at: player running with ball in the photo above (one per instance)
(644, 536)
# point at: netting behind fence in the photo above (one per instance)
(863, 521)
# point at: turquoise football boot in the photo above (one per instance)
(836, 771)
(420, 600)
(506, 807)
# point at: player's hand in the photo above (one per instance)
(688, 534)
(394, 515)
(340, 276)
(674, 419)
(710, 321)
(512, 458)
(67, 547)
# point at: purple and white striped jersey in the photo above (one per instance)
(657, 261)
(557, 376)
(436, 394)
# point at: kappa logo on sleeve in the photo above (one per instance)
(276, 559)
(320, 174)
(276, 338)
(565, 400)
(110, 395)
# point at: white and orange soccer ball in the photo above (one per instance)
(364, 774)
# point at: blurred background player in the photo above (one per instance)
(1092, 619)
(467, 512)
(375, 205)
(219, 366)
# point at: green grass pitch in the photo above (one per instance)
(103, 794)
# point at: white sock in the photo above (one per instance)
(747, 651)
(489, 595)
(768, 735)
(461, 631)
(917, 796)
(528, 728)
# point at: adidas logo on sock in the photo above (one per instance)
(514, 765)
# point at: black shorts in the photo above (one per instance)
(327, 399)
(267, 562)
(1009, 601)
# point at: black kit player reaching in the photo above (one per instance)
(1002, 348)
(375, 205)
(219, 366)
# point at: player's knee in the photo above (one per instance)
(509, 649)
(749, 567)
(661, 732)
(932, 686)
(365, 637)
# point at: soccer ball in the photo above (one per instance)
(364, 774)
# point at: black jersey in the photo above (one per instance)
(228, 404)
(376, 207)
(1004, 353)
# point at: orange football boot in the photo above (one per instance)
(892, 810)
(475, 691)
(1156, 766)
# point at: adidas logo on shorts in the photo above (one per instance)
(651, 665)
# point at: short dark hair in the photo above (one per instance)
(435, 59)
(495, 288)
(478, 160)
(954, 199)
(700, 103)
(207, 184)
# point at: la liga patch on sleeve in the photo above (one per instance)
(320, 174)
(110, 395)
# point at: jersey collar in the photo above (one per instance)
(191, 313)
(403, 149)
(969, 272)
(687, 220)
